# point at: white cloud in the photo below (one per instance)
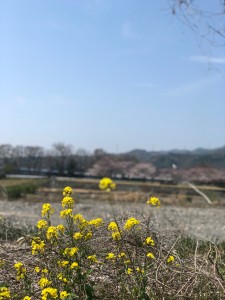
(128, 32)
(207, 59)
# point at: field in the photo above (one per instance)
(182, 209)
(183, 241)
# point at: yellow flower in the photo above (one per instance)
(107, 184)
(113, 226)
(64, 295)
(116, 235)
(92, 258)
(42, 224)
(150, 255)
(45, 271)
(110, 256)
(44, 282)
(129, 271)
(67, 191)
(37, 245)
(74, 265)
(63, 263)
(130, 223)
(21, 271)
(77, 235)
(27, 298)
(51, 232)
(121, 255)
(18, 266)
(170, 259)
(47, 210)
(154, 201)
(126, 262)
(67, 202)
(80, 221)
(88, 235)
(61, 228)
(140, 270)
(96, 222)
(66, 212)
(49, 292)
(4, 293)
(62, 278)
(37, 269)
(149, 241)
(70, 251)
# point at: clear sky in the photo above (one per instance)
(111, 74)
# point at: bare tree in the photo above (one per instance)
(205, 18)
(34, 155)
(61, 153)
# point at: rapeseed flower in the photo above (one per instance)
(27, 298)
(154, 201)
(170, 259)
(149, 241)
(140, 270)
(47, 210)
(67, 191)
(122, 254)
(67, 202)
(74, 265)
(52, 292)
(150, 255)
(37, 269)
(51, 232)
(45, 271)
(92, 258)
(110, 256)
(77, 235)
(44, 282)
(116, 235)
(63, 263)
(37, 245)
(60, 228)
(130, 223)
(107, 184)
(88, 235)
(62, 278)
(96, 222)
(64, 295)
(113, 226)
(21, 271)
(41, 224)
(129, 271)
(4, 293)
(70, 251)
(66, 212)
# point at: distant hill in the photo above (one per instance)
(183, 159)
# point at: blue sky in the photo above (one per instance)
(111, 74)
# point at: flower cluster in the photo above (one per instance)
(107, 184)
(21, 271)
(154, 201)
(130, 223)
(4, 293)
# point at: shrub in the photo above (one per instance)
(123, 259)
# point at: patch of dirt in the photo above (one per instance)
(206, 222)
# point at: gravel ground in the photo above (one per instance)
(201, 222)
